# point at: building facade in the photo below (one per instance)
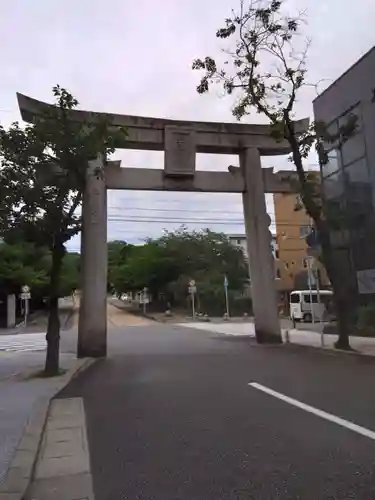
(348, 178)
(292, 228)
(239, 240)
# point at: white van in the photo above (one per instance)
(304, 305)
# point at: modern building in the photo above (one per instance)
(239, 240)
(292, 228)
(349, 175)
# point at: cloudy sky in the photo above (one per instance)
(134, 57)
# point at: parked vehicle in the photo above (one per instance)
(306, 305)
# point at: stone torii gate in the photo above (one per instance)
(180, 140)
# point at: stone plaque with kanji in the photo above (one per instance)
(179, 152)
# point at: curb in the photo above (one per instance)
(20, 472)
(329, 350)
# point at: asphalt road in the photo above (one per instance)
(171, 415)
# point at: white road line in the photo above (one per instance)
(320, 413)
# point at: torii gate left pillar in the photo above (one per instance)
(92, 324)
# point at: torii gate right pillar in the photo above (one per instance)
(261, 265)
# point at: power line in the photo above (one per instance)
(179, 220)
(183, 210)
(172, 210)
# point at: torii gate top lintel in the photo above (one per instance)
(146, 133)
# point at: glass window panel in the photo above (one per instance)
(363, 252)
(360, 215)
(333, 131)
(335, 212)
(353, 148)
(357, 173)
(294, 298)
(333, 185)
(308, 299)
(340, 238)
(333, 163)
(360, 207)
(349, 115)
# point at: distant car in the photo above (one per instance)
(306, 305)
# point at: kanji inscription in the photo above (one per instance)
(179, 156)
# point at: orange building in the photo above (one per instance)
(292, 227)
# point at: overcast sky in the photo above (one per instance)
(134, 57)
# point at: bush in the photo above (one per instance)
(366, 316)
(214, 304)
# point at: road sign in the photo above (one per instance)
(25, 289)
(192, 283)
(192, 289)
(25, 296)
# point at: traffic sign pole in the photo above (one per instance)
(145, 290)
(193, 304)
(26, 311)
(226, 295)
(25, 297)
(192, 290)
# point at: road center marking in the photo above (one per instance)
(320, 413)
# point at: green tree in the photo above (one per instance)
(118, 254)
(205, 256)
(264, 70)
(27, 264)
(70, 274)
(42, 181)
(166, 265)
(148, 266)
(23, 264)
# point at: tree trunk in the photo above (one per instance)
(343, 311)
(52, 365)
(341, 297)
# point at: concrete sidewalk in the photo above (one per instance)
(63, 468)
(19, 395)
(363, 345)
